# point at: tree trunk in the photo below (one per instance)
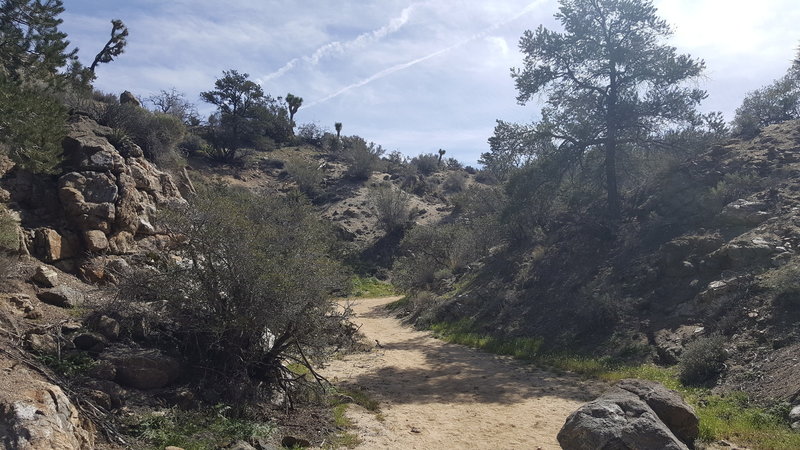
(611, 178)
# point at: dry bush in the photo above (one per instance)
(391, 206)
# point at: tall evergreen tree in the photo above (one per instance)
(609, 80)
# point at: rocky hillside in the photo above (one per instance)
(708, 249)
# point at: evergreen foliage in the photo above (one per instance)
(609, 81)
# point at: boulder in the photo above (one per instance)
(96, 240)
(45, 277)
(744, 212)
(108, 327)
(21, 304)
(103, 370)
(128, 98)
(51, 246)
(668, 405)
(621, 419)
(42, 343)
(122, 243)
(44, 418)
(63, 296)
(144, 369)
(90, 342)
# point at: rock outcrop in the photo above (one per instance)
(634, 414)
(38, 415)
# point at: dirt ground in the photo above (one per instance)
(438, 395)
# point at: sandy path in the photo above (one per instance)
(436, 395)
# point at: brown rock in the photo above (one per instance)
(51, 246)
(145, 369)
(45, 277)
(122, 243)
(128, 98)
(103, 370)
(108, 327)
(96, 240)
(90, 342)
(42, 343)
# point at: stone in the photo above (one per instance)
(21, 304)
(108, 327)
(122, 243)
(90, 342)
(128, 98)
(241, 445)
(668, 405)
(91, 153)
(103, 370)
(744, 212)
(44, 418)
(63, 296)
(100, 398)
(621, 419)
(88, 187)
(145, 369)
(45, 277)
(113, 390)
(71, 327)
(51, 246)
(42, 343)
(96, 240)
(794, 413)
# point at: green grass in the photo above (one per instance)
(398, 304)
(730, 417)
(370, 287)
(341, 401)
(196, 430)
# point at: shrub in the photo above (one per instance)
(454, 164)
(9, 243)
(391, 207)
(312, 134)
(734, 186)
(248, 286)
(426, 163)
(702, 361)
(307, 175)
(32, 126)
(157, 134)
(778, 102)
(455, 182)
(363, 158)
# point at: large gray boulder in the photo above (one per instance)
(635, 414)
(63, 296)
(42, 417)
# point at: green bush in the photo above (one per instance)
(260, 274)
(426, 163)
(391, 207)
(32, 126)
(778, 102)
(157, 134)
(307, 175)
(455, 182)
(702, 361)
(362, 158)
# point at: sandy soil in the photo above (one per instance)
(435, 395)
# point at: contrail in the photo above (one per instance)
(337, 47)
(405, 65)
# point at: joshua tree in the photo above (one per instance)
(293, 103)
(441, 154)
(338, 126)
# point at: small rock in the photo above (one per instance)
(96, 240)
(22, 305)
(90, 342)
(108, 327)
(100, 398)
(794, 414)
(45, 277)
(293, 442)
(103, 370)
(42, 343)
(71, 327)
(241, 445)
(63, 296)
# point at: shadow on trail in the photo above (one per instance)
(454, 373)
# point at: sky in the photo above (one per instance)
(413, 76)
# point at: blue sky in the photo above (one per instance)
(413, 76)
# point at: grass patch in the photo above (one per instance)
(341, 401)
(197, 430)
(69, 365)
(370, 287)
(731, 417)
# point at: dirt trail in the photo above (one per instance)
(435, 395)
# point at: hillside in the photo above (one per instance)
(707, 249)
